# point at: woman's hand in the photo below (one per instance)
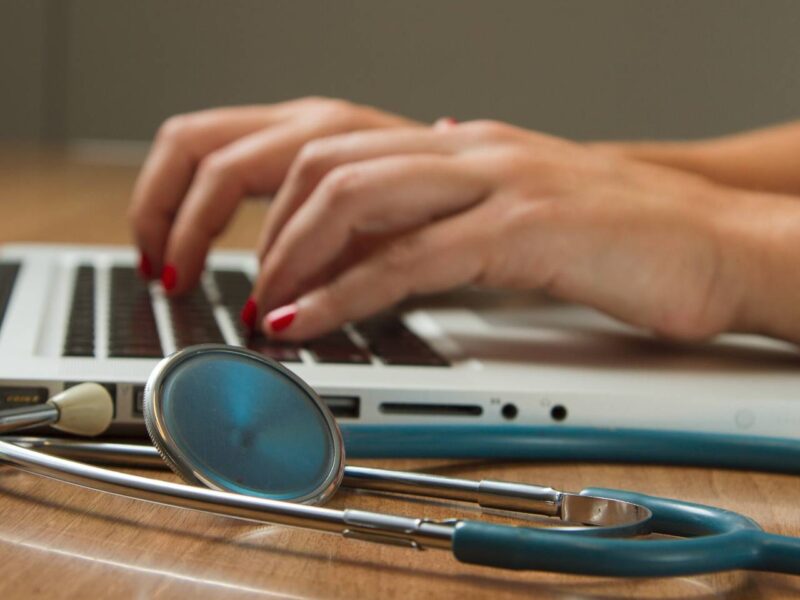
(366, 219)
(371, 208)
(203, 164)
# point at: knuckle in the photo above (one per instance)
(216, 167)
(491, 130)
(339, 185)
(312, 101)
(312, 160)
(333, 297)
(176, 129)
(339, 112)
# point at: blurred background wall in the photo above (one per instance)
(114, 69)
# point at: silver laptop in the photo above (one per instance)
(70, 314)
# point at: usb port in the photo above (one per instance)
(443, 410)
(343, 407)
(138, 400)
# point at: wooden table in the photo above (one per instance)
(57, 540)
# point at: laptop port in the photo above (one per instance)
(138, 400)
(442, 410)
(13, 396)
(343, 407)
(509, 411)
(558, 412)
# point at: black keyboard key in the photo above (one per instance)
(80, 327)
(395, 344)
(193, 320)
(234, 289)
(280, 351)
(337, 347)
(133, 332)
(79, 350)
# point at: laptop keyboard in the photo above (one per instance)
(80, 330)
(8, 275)
(133, 332)
(193, 320)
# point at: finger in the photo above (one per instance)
(252, 165)
(181, 143)
(321, 156)
(381, 196)
(445, 123)
(435, 258)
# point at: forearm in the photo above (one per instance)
(765, 159)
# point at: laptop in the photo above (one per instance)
(71, 313)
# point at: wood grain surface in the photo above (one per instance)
(58, 540)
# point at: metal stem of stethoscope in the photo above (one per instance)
(375, 527)
(14, 419)
(616, 518)
(84, 409)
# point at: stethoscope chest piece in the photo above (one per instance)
(236, 421)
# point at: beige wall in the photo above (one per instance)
(623, 68)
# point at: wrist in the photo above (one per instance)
(760, 242)
(694, 157)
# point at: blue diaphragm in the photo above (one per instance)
(235, 421)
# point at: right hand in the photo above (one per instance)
(203, 164)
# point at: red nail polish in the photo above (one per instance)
(145, 266)
(248, 314)
(445, 123)
(169, 277)
(280, 318)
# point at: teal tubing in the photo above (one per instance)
(719, 540)
(557, 443)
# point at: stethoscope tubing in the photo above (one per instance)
(568, 443)
(725, 541)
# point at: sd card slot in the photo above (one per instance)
(427, 409)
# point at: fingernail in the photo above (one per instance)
(248, 314)
(280, 318)
(145, 266)
(445, 122)
(169, 277)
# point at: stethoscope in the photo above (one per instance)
(258, 444)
